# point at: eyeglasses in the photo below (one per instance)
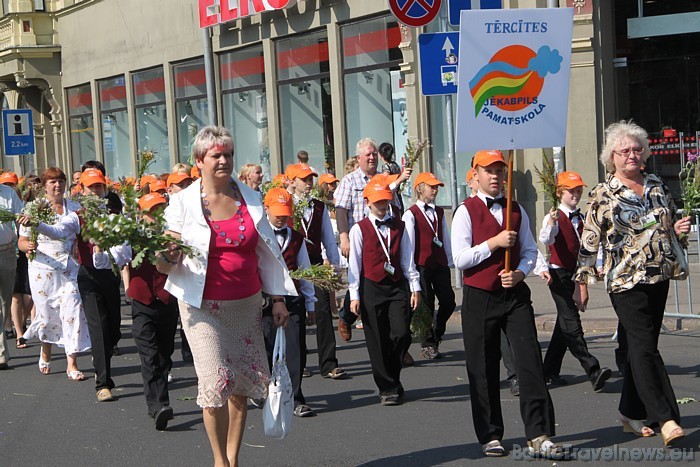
(638, 150)
(373, 153)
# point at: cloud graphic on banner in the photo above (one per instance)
(546, 61)
(502, 78)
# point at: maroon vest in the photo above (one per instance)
(373, 257)
(290, 254)
(314, 231)
(564, 251)
(146, 284)
(83, 249)
(484, 226)
(427, 253)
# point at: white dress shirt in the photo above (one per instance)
(9, 201)
(466, 255)
(548, 233)
(410, 222)
(408, 265)
(306, 288)
(328, 241)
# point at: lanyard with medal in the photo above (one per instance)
(433, 227)
(305, 225)
(388, 268)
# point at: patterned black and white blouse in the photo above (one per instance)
(634, 233)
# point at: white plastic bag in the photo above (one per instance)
(279, 406)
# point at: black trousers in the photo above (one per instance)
(484, 315)
(154, 329)
(568, 332)
(508, 357)
(99, 291)
(325, 333)
(294, 333)
(384, 311)
(640, 311)
(437, 283)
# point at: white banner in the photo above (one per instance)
(513, 78)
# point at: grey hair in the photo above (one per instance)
(208, 137)
(364, 143)
(614, 133)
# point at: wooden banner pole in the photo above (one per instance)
(509, 203)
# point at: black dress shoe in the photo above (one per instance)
(162, 417)
(600, 377)
(514, 387)
(556, 380)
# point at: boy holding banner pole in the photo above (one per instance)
(493, 246)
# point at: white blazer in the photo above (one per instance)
(184, 215)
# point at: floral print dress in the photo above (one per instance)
(53, 278)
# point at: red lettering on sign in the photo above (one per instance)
(205, 19)
(230, 10)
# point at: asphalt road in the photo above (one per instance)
(50, 421)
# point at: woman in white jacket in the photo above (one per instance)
(219, 289)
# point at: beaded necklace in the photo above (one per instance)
(230, 239)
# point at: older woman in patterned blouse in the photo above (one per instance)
(631, 215)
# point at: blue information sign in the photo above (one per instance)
(438, 54)
(454, 7)
(18, 132)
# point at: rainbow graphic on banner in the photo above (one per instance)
(513, 78)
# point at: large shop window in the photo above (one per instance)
(245, 106)
(306, 117)
(81, 125)
(115, 127)
(151, 119)
(191, 104)
(375, 101)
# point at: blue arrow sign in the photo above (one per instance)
(438, 54)
(18, 132)
(455, 6)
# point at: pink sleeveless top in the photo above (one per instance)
(232, 271)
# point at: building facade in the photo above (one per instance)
(106, 78)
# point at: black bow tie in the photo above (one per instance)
(379, 223)
(575, 213)
(282, 232)
(428, 207)
(490, 202)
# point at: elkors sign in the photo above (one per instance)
(513, 78)
(213, 12)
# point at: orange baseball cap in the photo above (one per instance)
(299, 171)
(384, 179)
(146, 179)
(486, 158)
(280, 178)
(92, 177)
(157, 185)
(569, 180)
(327, 178)
(9, 177)
(471, 174)
(429, 178)
(177, 177)
(377, 191)
(195, 172)
(278, 202)
(151, 200)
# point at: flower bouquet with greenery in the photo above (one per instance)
(40, 211)
(7, 216)
(414, 149)
(690, 184)
(421, 322)
(109, 230)
(323, 276)
(548, 180)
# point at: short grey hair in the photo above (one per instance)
(211, 136)
(365, 143)
(614, 133)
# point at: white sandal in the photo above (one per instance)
(43, 365)
(545, 448)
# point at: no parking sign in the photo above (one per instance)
(415, 13)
